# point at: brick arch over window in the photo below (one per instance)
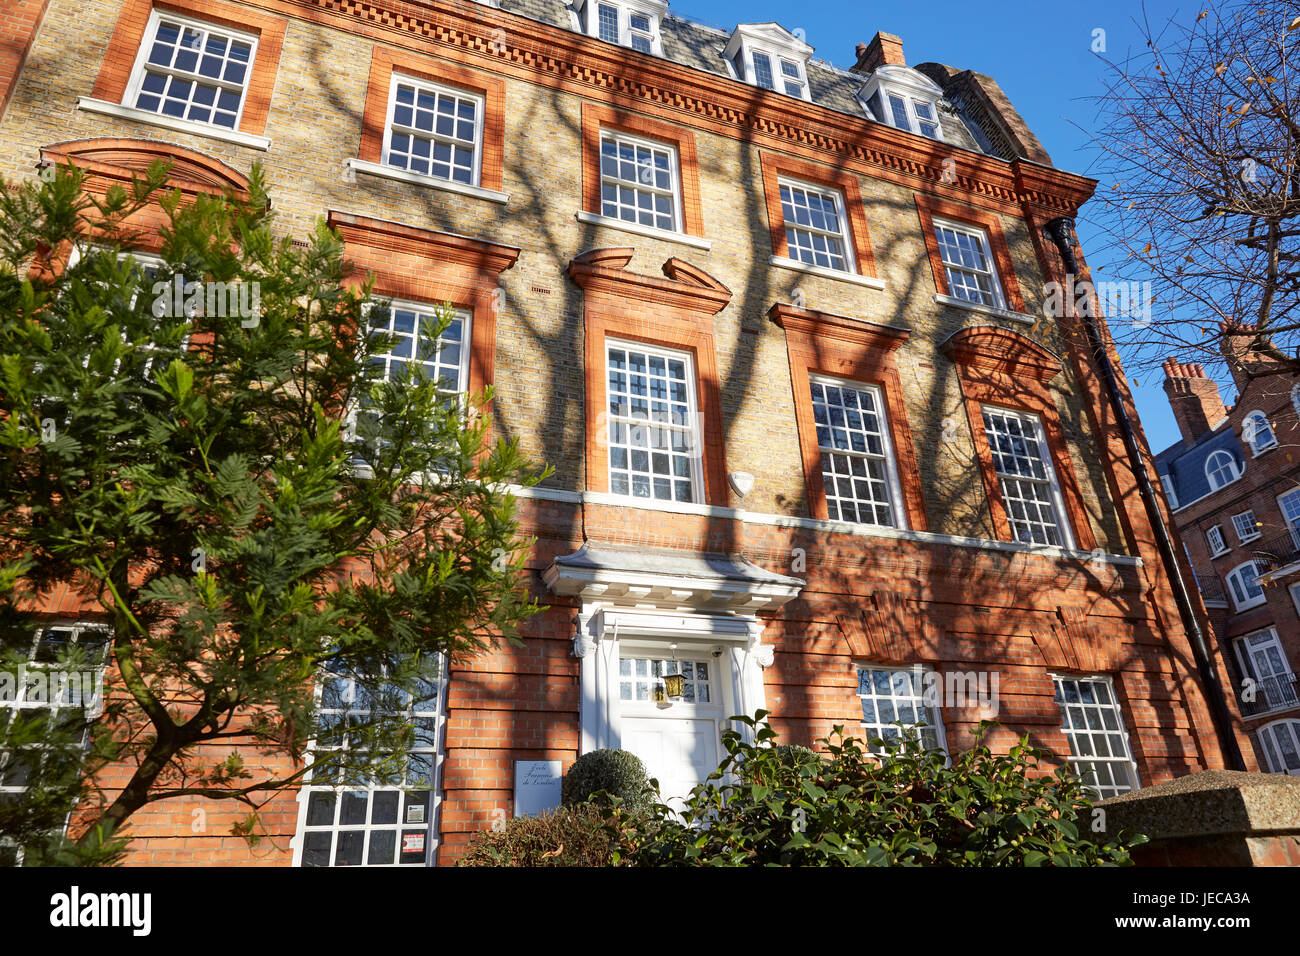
(1006, 369)
(111, 161)
(118, 160)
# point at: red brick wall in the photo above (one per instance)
(19, 21)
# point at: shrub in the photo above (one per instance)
(567, 836)
(908, 807)
(793, 755)
(617, 773)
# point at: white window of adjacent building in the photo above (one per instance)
(893, 696)
(905, 99)
(1214, 537)
(1033, 500)
(816, 226)
(639, 181)
(630, 24)
(191, 70)
(1257, 432)
(1263, 661)
(1295, 398)
(968, 263)
(653, 425)
(1280, 742)
(1170, 494)
(1243, 582)
(434, 130)
(1093, 725)
(1289, 504)
(47, 698)
(1295, 597)
(857, 459)
(1246, 526)
(1221, 469)
(344, 820)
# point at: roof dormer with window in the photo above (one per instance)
(905, 99)
(629, 23)
(769, 56)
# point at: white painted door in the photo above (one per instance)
(680, 743)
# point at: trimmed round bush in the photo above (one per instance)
(617, 772)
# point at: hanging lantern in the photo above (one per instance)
(674, 684)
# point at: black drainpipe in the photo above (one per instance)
(1060, 231)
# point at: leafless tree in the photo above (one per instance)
(1199, 161)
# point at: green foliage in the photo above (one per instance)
(907, 807)
(616, 773)
(193, 474)
(566, 836)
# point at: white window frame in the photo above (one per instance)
(907, 685)
(693, 434)
(1250, 431)
(986, 248)
(1246, 519)
(438, 89)
(1236, 575)
(1288, 503)
(912, 88)
(466, 318)
(1057, 499)
(1211, 469)
(1243, 649)
(136, 82)
(1115, 735)
(589, 17)
(747, 72)
(19, 702)
(845, 236)
(898, 517)
(1268, 733)
(1295, 596)
(1168, 484)
(430, 827)
(1214, 538)
(674, 176)
(1295, 398)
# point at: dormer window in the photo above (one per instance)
(900, 97)
(630, 23)
(770, 57)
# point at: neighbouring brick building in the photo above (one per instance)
(1233, 483)
(778, 326)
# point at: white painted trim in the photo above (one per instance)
(821, 524)
(92, 105)
(1024, 317)
(871, 282)
(353, 166)
(652, 232)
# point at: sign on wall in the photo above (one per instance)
(537, 786)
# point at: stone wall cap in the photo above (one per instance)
(1209, 802)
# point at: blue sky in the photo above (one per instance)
(1040, 54)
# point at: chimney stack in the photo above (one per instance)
(884, 48)
(1194, 398)
(1239, 354)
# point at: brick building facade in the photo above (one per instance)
(1234, 486)
(874, 452)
